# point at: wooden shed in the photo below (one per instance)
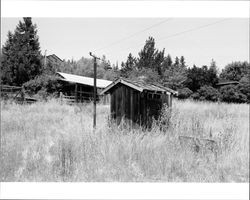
(136, 101)
(81, 88)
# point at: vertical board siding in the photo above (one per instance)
(123, 99)
(132, 105)
(112, 105)
(119, 104)
(136, 107)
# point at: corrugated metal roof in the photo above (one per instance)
(100, 83)
(140, 86)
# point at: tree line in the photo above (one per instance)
(23, 64)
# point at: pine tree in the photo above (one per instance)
(128, 66)
(182, 62)
(146, 56)
(6, 71)
(168, 61)
(21, 54)
(150, 58)
(176, 62)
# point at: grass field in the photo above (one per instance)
(54, 142)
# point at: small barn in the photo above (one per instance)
(81, 88)
(137, 101)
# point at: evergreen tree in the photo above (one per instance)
(158, 62)
(150, 58)
(182, 62)
(21, 54)
(167, 63)
(6, 71)
(177, 62)
(128, 66)
(168, 60)
(146, 56)
(212, 74)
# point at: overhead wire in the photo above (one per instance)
(132, 35)
(182, 32)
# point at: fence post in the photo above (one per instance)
(61, 97)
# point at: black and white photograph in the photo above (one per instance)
(125, 99)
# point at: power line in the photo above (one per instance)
(132, 35)
(191, 30)
(184, 32)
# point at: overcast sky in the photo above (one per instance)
(199, 40)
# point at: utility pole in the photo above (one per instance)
(95, 66)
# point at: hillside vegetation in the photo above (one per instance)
(22, 64)
(50, 141)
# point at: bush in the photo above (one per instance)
(43, 85)
(184, 93)
(206, 93)
(244, 87)
(231, 94)
(195, 96)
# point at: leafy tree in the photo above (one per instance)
(244, 86)
(198, 77)
(207, 93)
(174, 78)
(231, 94)
(44, 85)
(235, 71)
(21, 54)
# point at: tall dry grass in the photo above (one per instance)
(54, 142)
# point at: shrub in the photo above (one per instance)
(195, 96)
(206, 93)
(44, 84)
(244, 87)
(231, 94)
(184, 93)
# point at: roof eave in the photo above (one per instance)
(109, 87)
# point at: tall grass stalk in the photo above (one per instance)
(55, 142)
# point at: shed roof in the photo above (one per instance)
(139, 86)
(100, 83)
(54, 57)
(226, 82)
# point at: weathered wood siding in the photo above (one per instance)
(135, 107)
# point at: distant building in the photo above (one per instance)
(137, 101)
(81, 87)
(226, 82)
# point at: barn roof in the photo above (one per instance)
(100, 83)
(139, 86)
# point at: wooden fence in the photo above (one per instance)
(88, 97)
(15, 93)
